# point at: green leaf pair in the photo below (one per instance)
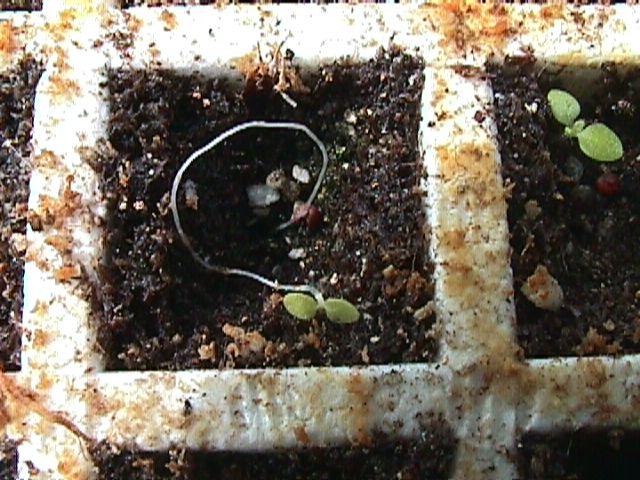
(597, 141)
(305, 307)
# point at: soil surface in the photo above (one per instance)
(159, 3)
(429, 458)
(20, 4)
(562, 216)
(156, 308)
(17, 91)
(8, 460)
(581, 455)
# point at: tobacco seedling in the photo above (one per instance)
(303, 301)
(305, 307)
(597, 141)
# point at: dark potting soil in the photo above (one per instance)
(563, 217)
(20, 5)
(17, 91)
(156, 308)
(429, 458)
(8, 460)
(159, 3)
(582, 455)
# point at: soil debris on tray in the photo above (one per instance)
(156, 308)
(582, 455)
(17, 91)
(8, 460)
(431, 457)
(577, 218)
(13, 5)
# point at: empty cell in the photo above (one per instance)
(584, 455)
(362, 239)
(430, 457)
(573, 209)
(17, 91)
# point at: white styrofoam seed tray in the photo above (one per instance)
(478, 385)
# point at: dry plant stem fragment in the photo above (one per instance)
(213, 143)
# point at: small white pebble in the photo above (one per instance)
(301, 174)
(350, 117)
(297, 253)
(531, 107)
(334, 279)
(19, 242)
(389, 272)
(424, 312)
(262, 195)
(191, 194)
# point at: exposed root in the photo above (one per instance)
(17, 402)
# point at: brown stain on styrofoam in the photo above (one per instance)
(63, 89)
(169, 19)
(9, 43)
(134, 23)
(55, 211)
(63, 25)
(62, 243)
(301, 435)
(41, 338)
(553, 12)
(73, 468)
(472, 166)
(361, 390)
(48, 160)
(469, 177)
(99, 405)
(67, 273)
(468, 26)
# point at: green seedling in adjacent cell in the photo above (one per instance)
(597, 141)
(304, 301)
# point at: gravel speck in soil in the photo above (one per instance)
(156, 308)
(428, 458)
(17, 91)
(563, 215)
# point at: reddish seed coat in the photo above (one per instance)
(314, 218)
(301, 213)
(608, 184)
